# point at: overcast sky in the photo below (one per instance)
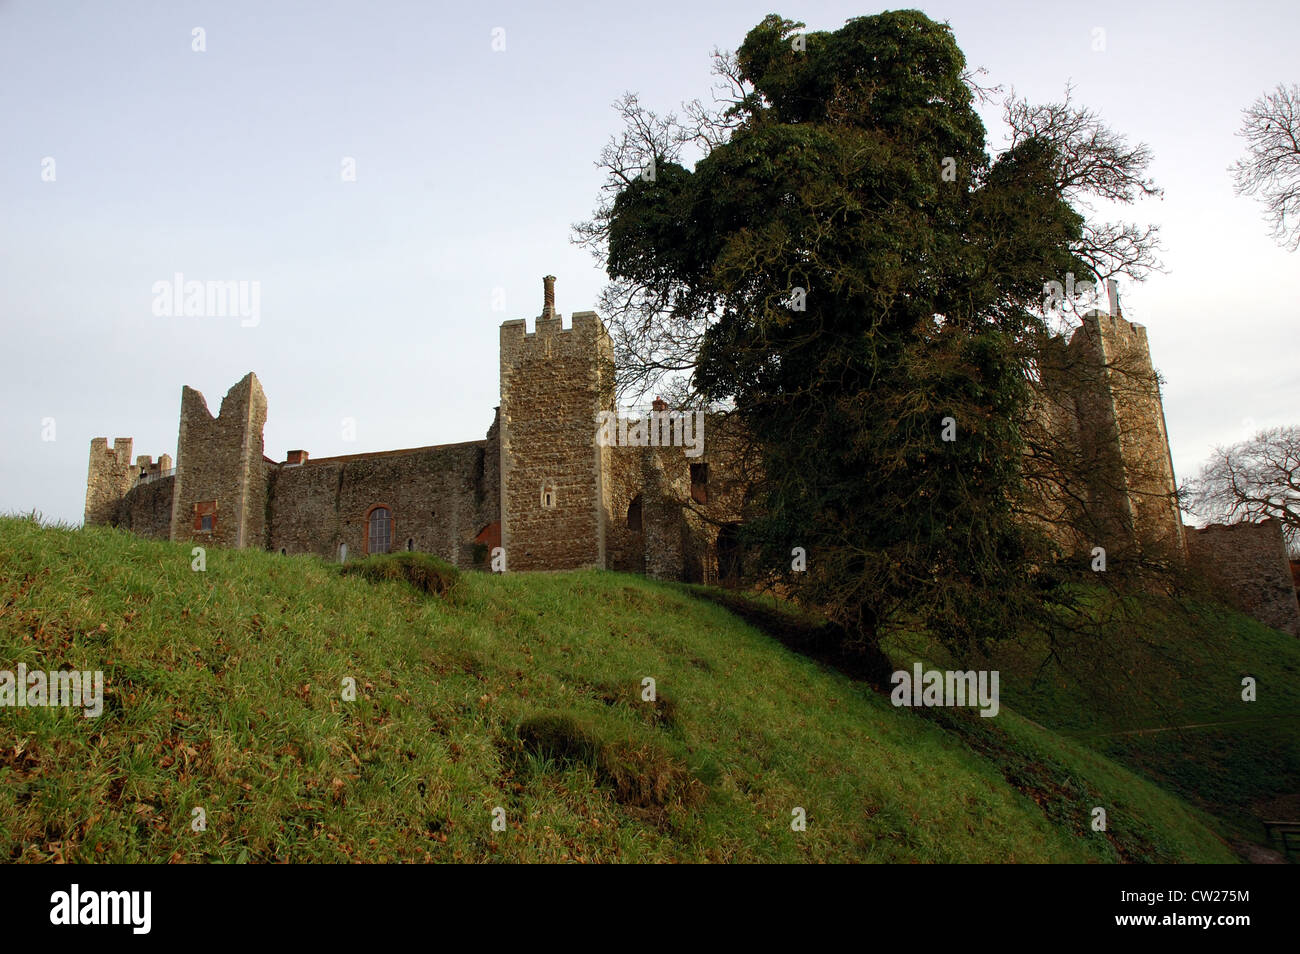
(377, 295)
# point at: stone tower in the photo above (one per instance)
(220, 491)
(110, 476)
(1122, 426)
(555, 485)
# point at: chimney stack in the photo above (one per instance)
(548, 296)
(1112, 292)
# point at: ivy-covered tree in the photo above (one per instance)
(846, 266)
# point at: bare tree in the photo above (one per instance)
(1251, 480)
(655, 348)
(1094, 162)
(1271, 169)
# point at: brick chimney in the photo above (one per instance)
(659, 404)
(296, 457)
(548, 296)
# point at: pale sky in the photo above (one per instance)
(471, 164)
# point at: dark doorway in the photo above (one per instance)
(730, 566)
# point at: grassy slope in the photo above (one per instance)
(1179, 673)
(224, 693)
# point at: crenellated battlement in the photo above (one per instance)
(585, 327)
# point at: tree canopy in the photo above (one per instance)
(847, 267)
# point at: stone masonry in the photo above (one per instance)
(552, 496)
(1249, 561)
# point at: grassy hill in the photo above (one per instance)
(519, 692)
(1163, 695)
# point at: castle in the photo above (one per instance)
(560, 481)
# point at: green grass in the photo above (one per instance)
(1162, 694)
(224, 691)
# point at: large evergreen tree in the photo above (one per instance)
(852, 272)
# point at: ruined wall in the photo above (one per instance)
(110, 476)
(439, 498)
(147, 508)
(220, 459)
(625, 545)
(553, 383)
(1250, 561)
(666, 488)
(678, 535)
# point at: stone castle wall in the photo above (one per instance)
(556, 498)
(679, 520)
(439, 498)
(147, 509)
(1249, 561)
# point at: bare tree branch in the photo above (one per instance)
(1271, 169)
(1094, 162)
(1253, 480)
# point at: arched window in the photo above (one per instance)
(549, 497)
(283, 551)
(379, 529)
(343, 553)
(410, 544)
(634, 514)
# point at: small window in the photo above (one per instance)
(380, 530)
(634, 514)
(205, 516)
(343, 553)
(283, 552)
(549, 495)
(700, 483)
(410, 544)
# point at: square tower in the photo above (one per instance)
(554, 474)
(1123, 418)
